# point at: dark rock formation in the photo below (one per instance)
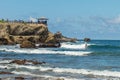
(23, 62)
(26, 30)
(50, 45)
(2, 72)
(36, 63)
(19, 78)
(60, 79)
(32, 39)
(59, 37)
(19, 62)
(3, 41)
(27, 44)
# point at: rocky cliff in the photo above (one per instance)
(59, 37)
(17, 33)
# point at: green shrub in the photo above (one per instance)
(2, 20)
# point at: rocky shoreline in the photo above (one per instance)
(5, 74)
(24, 77)
(28, 35)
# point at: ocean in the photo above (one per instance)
(72, 61)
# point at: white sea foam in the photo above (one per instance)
(82, 71)
(87, 72)
(45, 51)
(44, 76)
(5, 61)
(24, 66)
(74, 46)
(74, 71)
(3, 66)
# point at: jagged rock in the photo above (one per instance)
(36, 63)
(27, 44)
(3, 41)
(49, 45)
(26, 30)
(32, 39)
(60, 79)
(16, 30)
(59, 37)
(20, 62)
(2, 72)
(19, 78)
(10, 40)
(50, 39)
(23, 62)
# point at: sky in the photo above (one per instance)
(96, 19)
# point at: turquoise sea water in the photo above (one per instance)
(100, 61)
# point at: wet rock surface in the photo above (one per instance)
(19, 78)
(50, 45)
(23, 62)
(2, 72)
(27, 44)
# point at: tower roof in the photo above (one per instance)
(42, 18)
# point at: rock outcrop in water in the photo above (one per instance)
(29, 34)
(27, 44)
(59, 37)
(25, 62)
(2, 72)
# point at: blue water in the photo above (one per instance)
(100, 59)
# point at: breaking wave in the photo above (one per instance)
(43, 76)
(73, 46)
(87, 72)
(45, 51)
(104, 73)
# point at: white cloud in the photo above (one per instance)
(115, 20)
(94, 26)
